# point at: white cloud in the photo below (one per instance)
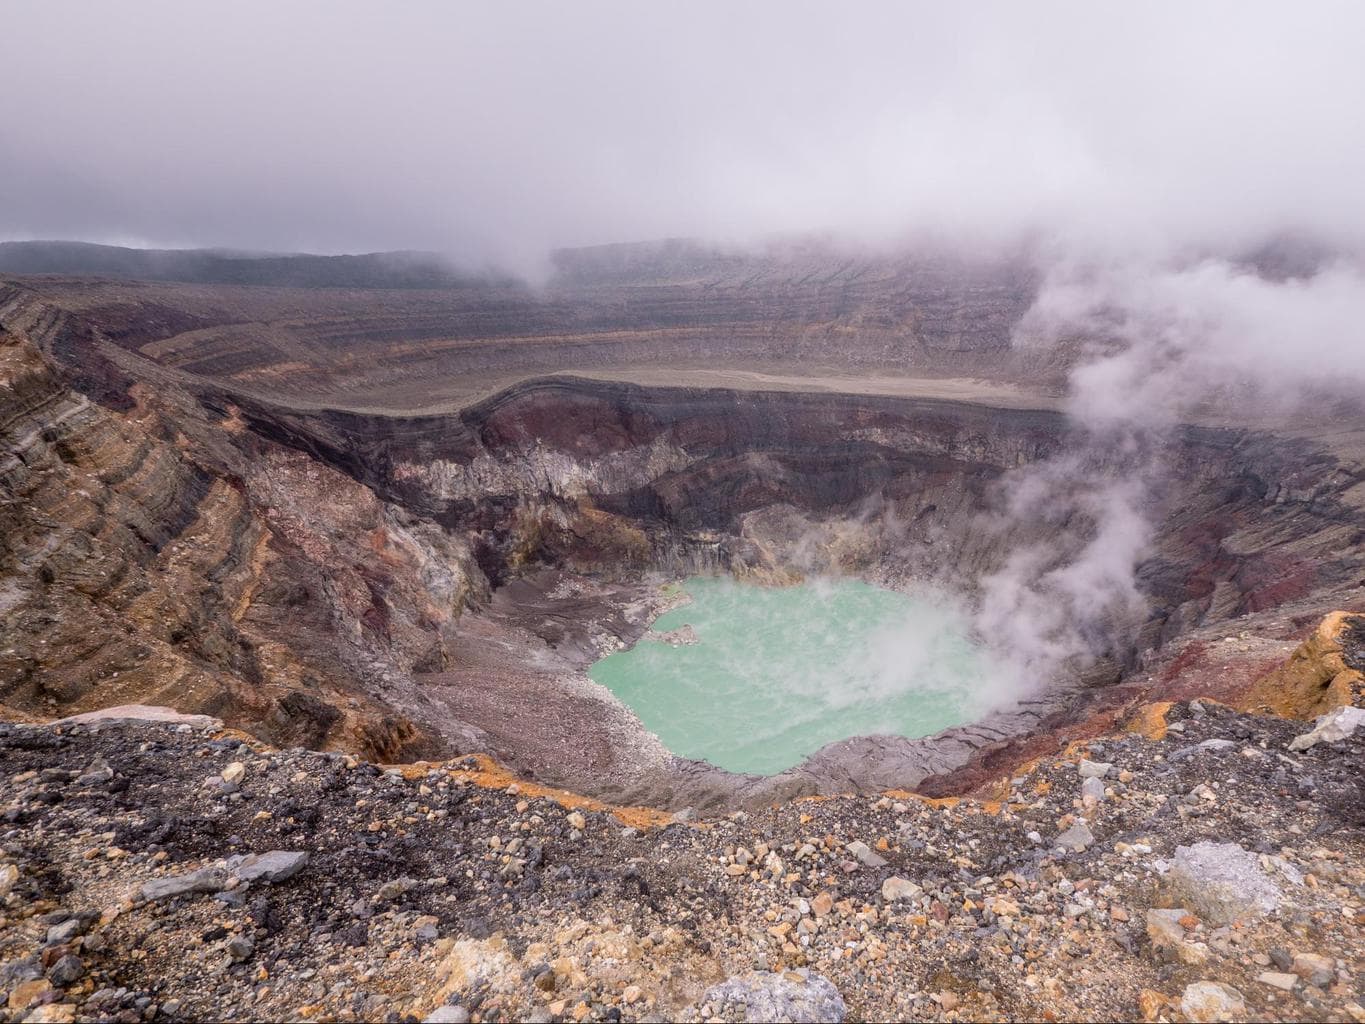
(501, 130)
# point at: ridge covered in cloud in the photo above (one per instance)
(496, 132)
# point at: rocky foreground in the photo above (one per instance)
(157, 871)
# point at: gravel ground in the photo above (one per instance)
(442, 891)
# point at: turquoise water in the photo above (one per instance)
(778, 672)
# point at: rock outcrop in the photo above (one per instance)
(1323, 673)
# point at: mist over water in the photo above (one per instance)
(779, 672)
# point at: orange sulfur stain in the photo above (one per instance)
(491, 775)
(1149, 720)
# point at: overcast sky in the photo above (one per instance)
(497, 131)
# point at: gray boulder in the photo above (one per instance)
(275, 866)
(211, 879)
(97, 772)
(1077, 838)
(866, 854)
(1222, 882)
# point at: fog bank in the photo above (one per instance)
(498, 132)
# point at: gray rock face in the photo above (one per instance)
(275, 866)
(1222, 882)
(793, 996)
(1093, 769)
(447, 1015)
(1093, 788)
(211, 879)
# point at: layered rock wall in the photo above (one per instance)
(160, 554)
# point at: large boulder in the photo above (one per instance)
(1222, 882)
(1205, 1002)
(1332, 727)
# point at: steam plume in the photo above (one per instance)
(1163, 343)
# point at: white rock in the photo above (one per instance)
(447, 1015)
(1210, 1001)
(1330, 728)
(791, 996)
(1278, 979)
(1093, 769)
(895, 888)
(234, 773)
(140, 713)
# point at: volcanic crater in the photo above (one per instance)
(402, 515)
